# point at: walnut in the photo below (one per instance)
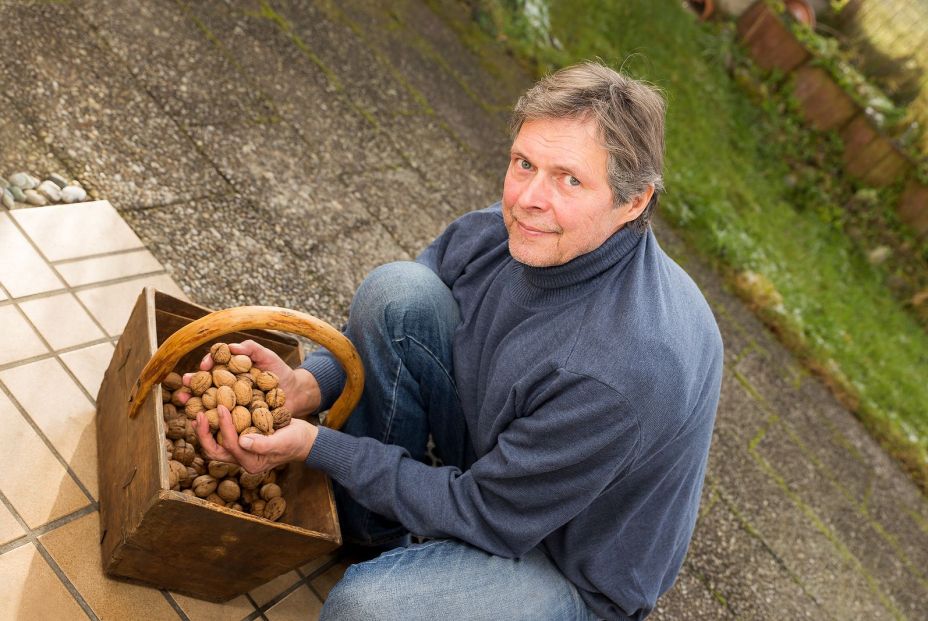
(248, 430)
(254, 372)
(183, 452)
(172, 381)
(243, 393)
(176, 428)
(240, 364)
(204, 485)
(257, 507)
(200, 382)
(270, 490)
(199, 465)
(241, 418)
(229, 490)
(190, 434)
(270, 477)
(250, 481)
(175, 398)
(222, 469)
(267, 381)
(220, 353)
(188, 480)
(220, 367)
(209, 397)
(274, 508)
(222, 377)
(245, 377)
(176, 472)
(226, 396)
(168, 411)
(212, 417)
(259, 404)
(249, 495)
(263, 420)
(234, 506)
(275, 398)
(168, 447)
(165, 395)
(281, 416)
(194, 406)
(216, 499)
(257, 394)
(189, 492)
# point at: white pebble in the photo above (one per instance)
(73, 194)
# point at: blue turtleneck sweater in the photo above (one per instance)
(589, 391)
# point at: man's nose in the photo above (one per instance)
(537, 193)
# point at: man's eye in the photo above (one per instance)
(524, 165)
(571, 180)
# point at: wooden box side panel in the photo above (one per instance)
(128, 466)
(212, 552)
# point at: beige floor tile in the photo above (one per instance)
(33, 480)
(64, 414)
(29, 588)
(75, 547)
(23, 271)
(269, 590)
(89, 364)
(199, 610)
(99, 269)
(19, 339)
(111, 304)
(316, 563)
(72, 231)
(300, 605)
(62, 320)
(324, 582)
(2, 294)
(10, 528)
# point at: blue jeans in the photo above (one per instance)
(402, 320)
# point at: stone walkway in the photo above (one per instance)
(274, 152)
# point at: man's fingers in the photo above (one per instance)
(229, 435)
(207, 443)
(207, 363)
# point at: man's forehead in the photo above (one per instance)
(572, 141)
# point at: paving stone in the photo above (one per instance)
(740, 568)
(103, 126)
(339, 138)
(246, 263)
(883, 558)
(790, 533)
(689, 600)
(166, 51)
(22, 149)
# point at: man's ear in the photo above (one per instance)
(639, 203)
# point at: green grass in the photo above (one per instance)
(753, 190)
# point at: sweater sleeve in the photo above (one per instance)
(548, 465)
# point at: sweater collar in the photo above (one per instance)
(561, 281)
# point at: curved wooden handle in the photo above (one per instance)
(221, 322)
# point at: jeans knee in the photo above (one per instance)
(353, 597)
(393, 292)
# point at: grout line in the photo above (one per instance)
(54, 354)
(31, 537)
(5, 390)
(173, 602)
(99, 255)
(66, 519)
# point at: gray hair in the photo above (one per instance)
(628, 113)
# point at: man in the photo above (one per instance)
(567, 370)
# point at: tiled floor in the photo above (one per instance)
(68, 277)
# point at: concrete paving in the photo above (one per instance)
(274, 152)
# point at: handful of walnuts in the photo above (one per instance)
(257, 406)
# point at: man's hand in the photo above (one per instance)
(256, 453)
(301, 388)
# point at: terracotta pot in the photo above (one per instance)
(703, 8)
(802, 11)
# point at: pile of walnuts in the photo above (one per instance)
(257, 406)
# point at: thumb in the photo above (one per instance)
(253, 443)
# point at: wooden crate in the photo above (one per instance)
(156, 536)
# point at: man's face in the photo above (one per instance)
(557, 203)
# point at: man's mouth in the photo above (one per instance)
(532, 231)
